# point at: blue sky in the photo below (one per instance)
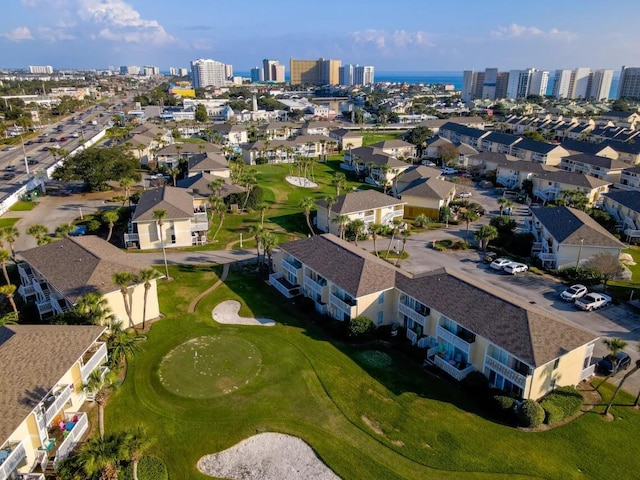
(406, 35)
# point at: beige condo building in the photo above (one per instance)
(319, 71)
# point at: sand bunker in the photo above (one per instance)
(227, 313)
(301, 182)
(267, 456)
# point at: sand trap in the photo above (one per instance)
(227, 313)
(301, 182)
(267, 456)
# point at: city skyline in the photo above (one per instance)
(408, 37)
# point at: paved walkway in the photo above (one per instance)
(223, 277)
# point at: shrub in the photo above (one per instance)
(476, 380)
(552, 413)
(460, 245)
(530, 414)
(586, 276)
(360, 328)
(149, 468)
(567, 399)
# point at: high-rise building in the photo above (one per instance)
(208, 73)
(40, 69)
(129, 70)
(272, 71)
(364, 75)
(489, 83)
(150, 71)
(502, 81)
(479, 85)
(257, 74)
(469, 82)
(580, 82)
(346, 74)
(173, 71)
(519, 83)
(183, 72)
(228, 71)
(601, 84)
(562, 84)
(316, 72)
(539, 83)
(629, 86)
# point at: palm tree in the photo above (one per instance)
(216, 185)
(100, 457)
(395, 226)
(217, 206)
(262, 208)
(122, 345)
(5, 256)
(174, 172)
(331, 200)
(136, 441)
(64, 230)
(40, 233)
(159, 215)
(307, 204)
(484, 235)
(249, 181)
(342, 221)
(257, 231)
(110, 217)
(375, 229)
(124, 280)
(339, 181)
(10, 234)
(504, 203)
(406, 233)
(94, 307)
(357, 226)
(8, 291)
(421, 220)
(615, 346)
(384, 171)
(145, 276)
(98, 386)
(126, 184)
(469, 216)
(269, 242)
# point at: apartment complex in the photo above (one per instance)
(629, 86)
(356, 75)
(207, 73)
(40, 69)
(460, 326)
(315, 72)
(272, 71)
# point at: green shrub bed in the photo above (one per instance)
(565, 401)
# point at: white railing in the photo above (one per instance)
(199, 226)
(274, 281)
(313, 287)
(321, 308)
(588, 372)
(413, 336)
(26, 291)
(506, 371)
(74, 437)
(452, 369)
(589, 351)
(369, 219)
(290, 268)
(98, 358)
(412, 314)
(630, 233)
(16, 455)
(341, 304)
(61, 399)
(453, 339)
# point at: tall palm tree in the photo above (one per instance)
(174, 172)
(249, 181)
(357, 226)
(339, 181)
(100, 457)
(122, 345)
(10, 233)
(384, 170)
(94, 307)
(406, 233)
(126, 184)
(484, 235)
(262, 208)
(8, 291)
(216, 185)
(615, 346)
(217, 206)
(504, 203)
(342, 221)
(99, 387)
(331, 200)
(136, 441)
(110, 217)
(307, 204)
(145, 276)
(375, 229)
(257, 231)
(159, 215)
(395, 226)
(269, 242)
(5, 256)
(469, 215)
(39, 232)
(124, 280)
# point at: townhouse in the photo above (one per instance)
(285, 151)
(42, 370)
(199, 186)
(374, 164)
(549, 183)
(209, 162)
(628, 151)
(460, 326)
(463, 134)
(233, 135)
(498, 142)
(600, 167)
(171, 155)
(630, 178)
(541, 152)
(566, 237)
(625, 208)
(346, 138)
(424, 191)
(57, 274)
(576, 146)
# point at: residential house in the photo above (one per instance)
(209, 162)
(171, 155)
(488, 161)
(594, 165)
(233, 135)
(575, 146)
(318, 128)
(346, 138)
(630, 178)
(376, 166)
(42, 370)
(460, 326)
(57, 274)
(198, 185)
(426, 196)
(285, 151)
(549, 183)
(185, 224)
(541, 152)
(628, 151)
(623, 119)
(511, 174)
(435, 124)
(370, 206)
(398, 148)
(580, 131)
(498, 142)
(463, 134)
(625, 207)
(566, 237)
(281, 130)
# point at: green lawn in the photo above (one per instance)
(23, 206)
(8, 222)
(368, 414)
(623, 288)
(369, 138)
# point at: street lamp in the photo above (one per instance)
(24, 154)
(579, 253)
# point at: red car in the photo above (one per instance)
(63, 139)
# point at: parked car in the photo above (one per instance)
(10, 168)
(500, 263)
(8, 175)
(449, 171)
(489, 257)
(573, 292)
(515, 267)
(32, 161)
(592, 301)
(428, 163)
(464, 195)
(605, 366)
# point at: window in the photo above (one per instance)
(556, 363)
(379, 317)
(552, 384)
(173, 239)
(381, 298)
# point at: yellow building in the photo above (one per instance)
(315, 72)
(460, 326)
(42, 370)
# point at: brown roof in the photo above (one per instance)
(359, 201)
(207, 161)
(429, 188)
(76, 266)
(188, 148)
(571, 178)
(198, 185)
(417, 172)
(147, 130)
(33, 358)
(345, 133)
(377, 156)
(176, 201)
(393, 144)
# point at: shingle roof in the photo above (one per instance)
(626, 198)
(207, 161)
(188, 148)
(359, 201)
(463, 129)
(176, 201)
(416, 172)
(583, 147)
(377, 156)
(345, 133)
(568, 226)
(198, 185)
(598, 161)
(503, 138)
(495, 157)
(429, 188)
(624, 147)
(79, 265)
(393, 144)
(33, 358)
(535, 146)
(572, 178)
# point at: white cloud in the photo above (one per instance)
(385, 40)
(202, 44)
(54, 34)
(17, 34)
(520, 31)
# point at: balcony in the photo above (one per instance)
(14, 454)
(31, 476)
(54, 403)
(344, 305)
(71, 435)
(291, 265)
(452, 368)
(588, 372)
(97, 355)
(455, 340)
(412, 314)
(285, 287)
(506, 371)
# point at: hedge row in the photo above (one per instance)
(561, 403)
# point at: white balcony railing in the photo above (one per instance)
(506, 371)
(452, 369)
(199, 226)
(453, 339)
(341, 304)
(291, 268)
(16, 455)
(412, 314)
(74, 437)
(59, 400)
(588, 372)
(274, 280)
(98, 358)
(413, 336)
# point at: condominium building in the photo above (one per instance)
(40, 69)
(129, 70)
(527, 82)
(629, 86)
(316, 72)
(490, 84)
(356, 75)
(562, 84)
(272, 71)
(257, 74)
(150, 71)
(601, 84)
(539, 82)
(208, 73)
(580, 83)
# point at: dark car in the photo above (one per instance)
(605, 366)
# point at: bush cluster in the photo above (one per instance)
(530, 414)
(561, 403)
(585, 276)
(149, 468)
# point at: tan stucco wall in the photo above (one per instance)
(136, 296)
(368, 306)
(568, 373)
(149, 238)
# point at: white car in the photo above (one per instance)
(464, 195)
(592, 301)
(573, 292)
(428, 163)
(448, 171)
(500, 263)
(515, 267)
